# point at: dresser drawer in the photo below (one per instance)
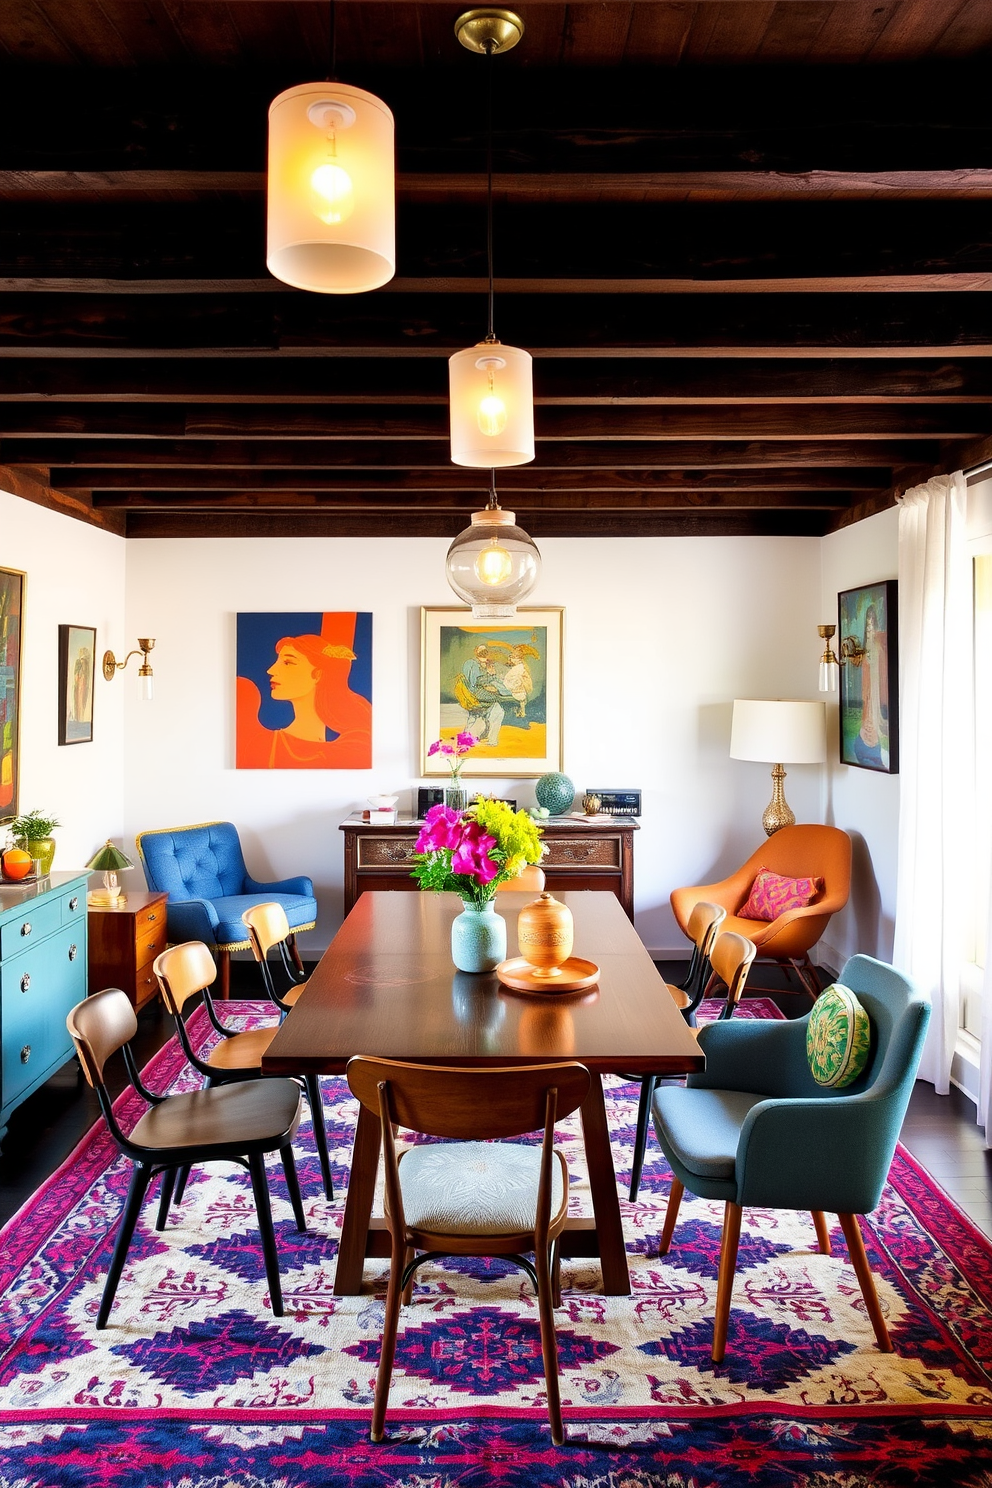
(73, 907)
(583, 852)
(149, 941)
(385, 852)
(145, 985)
(33, 924)
(34, 1002)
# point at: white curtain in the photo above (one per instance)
(985, 1058)
(937, 765)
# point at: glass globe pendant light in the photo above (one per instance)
(331, 198)
(493, 564)
(490, 386)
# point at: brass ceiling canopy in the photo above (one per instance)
(489, 30)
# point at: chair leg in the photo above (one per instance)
(822, 1231)
(312, 1083)
(294, 952)
(408, 1256)
(549, 1343)
(165, 1198)
(387, 1351)
(182, 1178)
(224, 969)
(138, 1187)
(263, 1206)
(293, 1184)
(725, 1281)
(641, 1138)
(862, 1270)
(556, 1272)
(671, 1215)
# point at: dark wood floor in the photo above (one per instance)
(940, 1131)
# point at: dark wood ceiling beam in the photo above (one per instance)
(525, 503)
(576, 381)
(844, 421)
(30, 488)
(433, 325)
(873, 458)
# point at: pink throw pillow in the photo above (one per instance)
(771, 895)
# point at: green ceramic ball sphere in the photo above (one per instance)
(556, 792)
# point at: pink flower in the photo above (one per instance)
(442, 828)
(472, 854)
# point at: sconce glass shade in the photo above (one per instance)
(829, 665)
(331, 197)
(491, 404)
(493, 564)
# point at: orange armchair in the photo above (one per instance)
(808, 851)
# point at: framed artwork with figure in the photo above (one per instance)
(12, 582)
(77, 661)
(868, 652)
(304, 690)
(498, 681)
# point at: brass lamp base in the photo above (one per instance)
(778, 812)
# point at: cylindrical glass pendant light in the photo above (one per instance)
(493, 564)
(331, 198)
(490, 386)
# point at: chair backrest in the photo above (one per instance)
(731, 959)
(704, 921)
(182, 971)
(899, 1012)
(201, 862)
(531, 881)
(267, 926)
(468, 1104)
(98, 1027)
(809, 850)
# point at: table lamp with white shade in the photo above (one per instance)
(778, 732)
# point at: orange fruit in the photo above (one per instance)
(16, 863)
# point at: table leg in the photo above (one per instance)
(605, 1198)
(358, 1205)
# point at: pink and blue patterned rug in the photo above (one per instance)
(195, 1385)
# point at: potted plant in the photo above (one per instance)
(34, 831)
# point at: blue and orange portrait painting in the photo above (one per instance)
(304, 691)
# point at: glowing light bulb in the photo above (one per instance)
(491, 416)
(333, 197)
(494, 564)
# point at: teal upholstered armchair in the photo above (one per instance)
(755, 1128)
(202, 869)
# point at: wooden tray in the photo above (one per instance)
(574, 975)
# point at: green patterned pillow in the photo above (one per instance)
(838, 1036)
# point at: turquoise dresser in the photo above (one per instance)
(42, 976)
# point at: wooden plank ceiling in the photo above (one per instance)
(749, 245)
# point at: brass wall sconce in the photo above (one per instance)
(111, 666)
(851, 650)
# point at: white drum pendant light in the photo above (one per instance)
(490, 386)
(331, 198)
(493, 564)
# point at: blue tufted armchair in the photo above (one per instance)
(754, 1128)
(202, 869)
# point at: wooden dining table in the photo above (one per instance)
(386, 987)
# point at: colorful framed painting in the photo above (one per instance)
(499, 681)
(12, 583)
(77, 659)
(868, 652)
(304, 691)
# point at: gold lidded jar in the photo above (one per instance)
(545, 934)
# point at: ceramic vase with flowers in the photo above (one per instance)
(454, 751)
(470, 853)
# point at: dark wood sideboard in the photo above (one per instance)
(581, 855)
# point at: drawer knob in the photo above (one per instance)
(25, 1053)
(74, 902)
(72, 953)
(26, 928)
(153, 917)
(25, 981)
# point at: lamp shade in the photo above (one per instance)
(491, 405)
(109, 859)
(331, 198)
(778, 732)
(493, 564)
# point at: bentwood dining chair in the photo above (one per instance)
(232, 1123)
(182, 972)
(472, 1196)
(268, 929)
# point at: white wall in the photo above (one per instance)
(863, 802)
(661, 635)
(75, 576)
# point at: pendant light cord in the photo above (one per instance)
(490, 53)
(333, 44)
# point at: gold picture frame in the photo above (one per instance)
(498, 680)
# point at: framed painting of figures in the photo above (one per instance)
(304, 691)
(11, 627)
(498, 681)
(868, 653)
(77, 659)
